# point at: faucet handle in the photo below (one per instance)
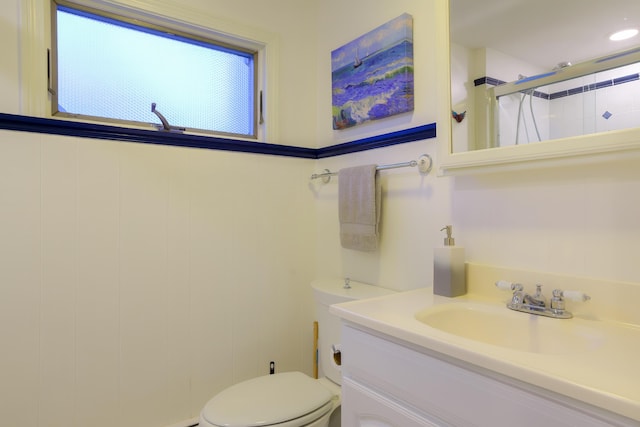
(574, 295)
(557, 301)
(508, 286)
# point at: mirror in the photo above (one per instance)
(495, 42)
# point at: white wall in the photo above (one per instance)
(138, 280)
(293, 24)
(580, 220)
(414, 207)
(9, 71)
(339, 23)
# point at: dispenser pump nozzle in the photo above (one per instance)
(448, 241)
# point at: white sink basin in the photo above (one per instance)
(499, 326)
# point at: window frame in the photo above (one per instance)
(175, 26)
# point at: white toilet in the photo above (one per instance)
(293, 399)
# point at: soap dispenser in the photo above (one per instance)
(448, 268)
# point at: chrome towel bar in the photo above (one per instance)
(424, 164)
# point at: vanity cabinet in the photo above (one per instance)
(390, 383)
(366, 408)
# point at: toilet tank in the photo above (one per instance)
(332, 291)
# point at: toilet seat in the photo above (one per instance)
(286, 399)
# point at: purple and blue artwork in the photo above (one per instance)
(372, 76)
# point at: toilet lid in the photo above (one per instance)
(267, 400)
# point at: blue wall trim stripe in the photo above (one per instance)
(379, 141)
(114, 133)
(573, 91)
(595, 86)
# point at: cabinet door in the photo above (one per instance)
(448, 394)
(361, 407)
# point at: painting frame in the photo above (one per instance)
(372, 76)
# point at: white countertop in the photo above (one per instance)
(607, 376)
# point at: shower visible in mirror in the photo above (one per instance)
(535, 70)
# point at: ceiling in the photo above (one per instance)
(545, 32)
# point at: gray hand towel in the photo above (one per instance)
(359, 207)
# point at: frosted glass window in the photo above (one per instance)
(114, 70)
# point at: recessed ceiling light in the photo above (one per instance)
(623, 35)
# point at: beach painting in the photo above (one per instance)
(372, 76)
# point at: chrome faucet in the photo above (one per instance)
(537, 303)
